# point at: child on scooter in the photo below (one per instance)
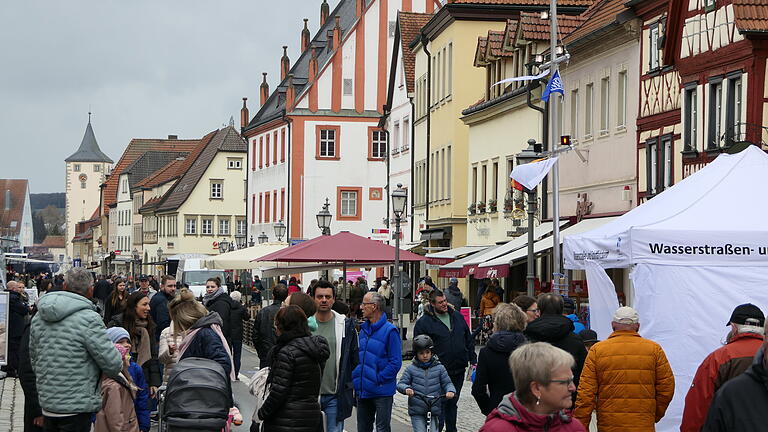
(425, 381)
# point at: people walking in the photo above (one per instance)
(18, 310)
(101, 291)
(168, 350)
(529, 306)
(493, 378)
(454, 295)
(145, 287)
(740, 404)
(296, 363)
(238, 314)
(69, 352)
(489, 301)
(263, 328)
(375, 377)
(158, 305)
(544, 385)
(569, 311)
(216, 300)
(386, 291)
(117, 412)
(115, 304)
(454, 346)
(140, 396)
(336, 396)
(554, 328)
(425, 378)
(626, 379)
(744, 340)
(33, 414)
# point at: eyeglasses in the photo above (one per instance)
(566, 382)
(533, 310)
(369, 303)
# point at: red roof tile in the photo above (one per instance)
(535, 28)
(482, 44)
(495, 42)
(601, 14)
(510, 32)
(53, 242)
(751, 15)
(19, 192)
(410, 26)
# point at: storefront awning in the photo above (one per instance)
(448, 256)
(499, 266)
(435, 234)
(457, 268)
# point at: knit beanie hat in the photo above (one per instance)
(116, 334)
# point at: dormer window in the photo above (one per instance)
(709, 5)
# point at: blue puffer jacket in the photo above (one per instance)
(380, 360)
(140, 403)
(430, 379)
(577, 326)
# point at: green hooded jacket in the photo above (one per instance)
(69, 351)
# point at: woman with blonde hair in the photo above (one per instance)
(493, 379)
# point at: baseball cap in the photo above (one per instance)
(453, 280)
(626, 315)
(588, 335)
(744, 312)
(143, 278)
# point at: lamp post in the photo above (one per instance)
(160, 257)
(240, 240)
(251, 243)
(280, 229)
(324, 219)
(263, 238)
(527, 156)
(135, 255)
(399, 203)
(223, 246)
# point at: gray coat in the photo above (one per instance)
(428, 379)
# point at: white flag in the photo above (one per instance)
(531, 174)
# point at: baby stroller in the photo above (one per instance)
(198, 397)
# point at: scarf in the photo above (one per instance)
(207, 298)
(190, 336)
(142, 343)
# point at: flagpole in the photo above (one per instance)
(554, 139)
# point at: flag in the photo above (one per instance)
(523, 78)
(555, 84)
(531, 174)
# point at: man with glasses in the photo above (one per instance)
(454, 346)
(375, 377)
(626, 379)
(158, 305)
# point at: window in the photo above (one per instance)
(715, 113)
(691, 119)
(266, 152)
(484, 185)
(76, 167)
(659, 164)
(396, 138)
(241, 227)
(392, 27)
(274, 206)
(347, 86)
(449, 70)
(282, 203)
(282, 145)
(733, 111)
(667, 154)
(349, 205)
(474, 184)
(261, 207)
(97, 168)
(443, 75)
(495, 179)
(575, 113)
(652, 166)
(253, 155)
(190, 226)
(234, 163)
(327, 142)
(443, 176)
(217, 189)
(378, 144)
(274, 148)
(653, 55)
(206, 227)
(82, 185)
(223, 226)
(589, 100)
(261, 152)
(267, 200)
(406, 142)
(621, 115)
(709, 5)
(448, 173)
(605, 98)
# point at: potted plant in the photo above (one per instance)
(509, 204)
(481, 207)
(492, 208)
(471, 209)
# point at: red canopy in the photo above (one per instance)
(343, 247)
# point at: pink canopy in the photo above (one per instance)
(343, 247)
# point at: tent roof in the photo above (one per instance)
(341, 247)
(243, 258)
(706, 219)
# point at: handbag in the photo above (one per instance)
(259, 388)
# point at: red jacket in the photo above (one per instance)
(721, 365)
(512, 416)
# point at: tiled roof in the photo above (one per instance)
(55, 242)
(227, 139)
(583, 3)
(135, 149)
(165, 174)
(149, 163)
(751, 15)
(410, 26)
(510, 32)
(153, 202)
(495, 42)
(89, 150)
(600, 15)
(15, 212)
(482, 44)
(535, 28)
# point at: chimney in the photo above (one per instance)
(290, 94)
(313, 65)
(285, 63)
(337, 33)
(360, 7)
(325, 10)
(263, 90)
(7, 199)
(329, 36)
(244, 114)
(173, 137)
(305, 36)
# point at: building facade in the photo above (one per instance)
(16, 229)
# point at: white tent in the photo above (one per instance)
(241, 259)
(698, 249)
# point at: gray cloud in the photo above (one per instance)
(146, 68)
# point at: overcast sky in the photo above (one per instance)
(147, 69)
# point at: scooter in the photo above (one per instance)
(431, 401)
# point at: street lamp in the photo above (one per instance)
(280, 229)
(251, 243)
(240, 240)
(324, 219)
(399, 203)
(263, 238)
(532, 153)
(160, 257)
(223, 246)
(136, 257)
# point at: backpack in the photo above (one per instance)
(198, 396)
(259, 388)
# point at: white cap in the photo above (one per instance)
(626, 315)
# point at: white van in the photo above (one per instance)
(192, 273)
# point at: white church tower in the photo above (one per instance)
(86, 171)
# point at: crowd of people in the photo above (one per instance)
(96, 355)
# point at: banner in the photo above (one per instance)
(523, 78)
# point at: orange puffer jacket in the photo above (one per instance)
(628, 380)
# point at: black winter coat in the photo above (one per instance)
(740, 403)
(455, 347)
(17, 318)
(222, 305)
(27, 379)
(207, 344)
(238, 315)
(264, 332)
(158, 308)
(296, 365)
(493, 378)
(558, 331)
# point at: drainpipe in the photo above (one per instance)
(424, 41)
(288, 183)
(413, 166)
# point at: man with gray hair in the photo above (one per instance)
(626, 378)
(744, 340)
(69, 351)
(375, 377)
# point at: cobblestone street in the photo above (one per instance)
(11, 406)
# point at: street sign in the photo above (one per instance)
(380, 234)
(294, 242)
